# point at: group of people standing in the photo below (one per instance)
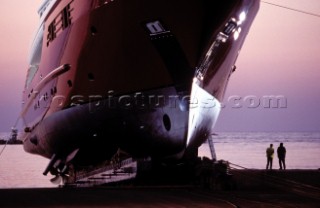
(281, 152)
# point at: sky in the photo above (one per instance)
(279, 58)
(18, 23)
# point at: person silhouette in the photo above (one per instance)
(269, 152)
(281, 151)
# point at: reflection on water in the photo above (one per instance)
(19, 169)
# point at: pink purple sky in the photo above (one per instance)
(280, 58)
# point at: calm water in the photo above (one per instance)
(19, 169)
(248, 149)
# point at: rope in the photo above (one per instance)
(12, 129)
(292, 9)
(238, 166)
(4, 147)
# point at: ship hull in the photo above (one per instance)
(152, 123)
(124, 74)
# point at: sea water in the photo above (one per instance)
(248, 149)
(19, 169)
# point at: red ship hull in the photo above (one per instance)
(127, 74)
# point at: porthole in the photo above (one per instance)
(34, 140)
(91, 77)
(93, 30)
(69, 83)
(166, 122)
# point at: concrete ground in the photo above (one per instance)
(151, 197)
(250, 188)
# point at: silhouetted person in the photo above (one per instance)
(282, 156)
(269, 152)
